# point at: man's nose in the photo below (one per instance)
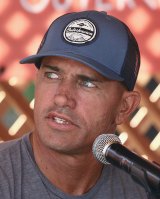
(65, 95)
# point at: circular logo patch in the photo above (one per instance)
(80, 31)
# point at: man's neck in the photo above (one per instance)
(73, 174)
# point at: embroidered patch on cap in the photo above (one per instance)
(80, 31)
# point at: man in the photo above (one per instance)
(87, 68)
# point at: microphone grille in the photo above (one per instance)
(99, 144)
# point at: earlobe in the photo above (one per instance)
(129, 102)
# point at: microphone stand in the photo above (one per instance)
(142, 179)
(151, 196)
(150, 193)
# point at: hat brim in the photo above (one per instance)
(100, 68)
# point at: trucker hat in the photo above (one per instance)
(96, 39)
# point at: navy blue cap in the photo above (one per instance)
(96, 39)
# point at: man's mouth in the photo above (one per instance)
(60, 119)
(61, 122)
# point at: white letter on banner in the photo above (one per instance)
(100, 5)
(62, 6)
(122, 3)
(34, 8)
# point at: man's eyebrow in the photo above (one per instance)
(89, 78)
(51, 67)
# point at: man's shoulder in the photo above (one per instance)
(12, 147)
(9, 145)
(12, 156)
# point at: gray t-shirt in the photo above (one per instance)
(20, 178)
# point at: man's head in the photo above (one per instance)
(86, 61)
(96, 39)
(74, 104)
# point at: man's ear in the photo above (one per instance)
(130, 101)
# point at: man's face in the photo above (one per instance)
(73, 105)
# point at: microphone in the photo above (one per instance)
(107, 149)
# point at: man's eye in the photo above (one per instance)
(51, 75)
(88, 84)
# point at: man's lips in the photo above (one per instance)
(61, 119)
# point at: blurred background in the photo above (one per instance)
(22, 25)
